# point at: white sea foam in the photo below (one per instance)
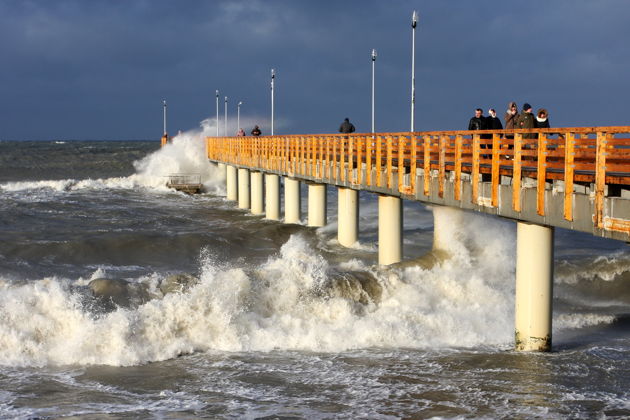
(465, 301)
(184, 154)
(575, 321)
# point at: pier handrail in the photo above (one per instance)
(574, 155)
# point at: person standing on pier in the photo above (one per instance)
(240, 133)
(493, 123)
(526, 120)
(510, 118)
(346, 127)
(542, 119)
(478, 122)
(256, 131)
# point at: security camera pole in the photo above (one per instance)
(273, 77)
(217, 92)
(373, 63)
(414, 21)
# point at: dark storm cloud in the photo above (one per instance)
(99, 69)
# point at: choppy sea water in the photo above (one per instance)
(120, 298)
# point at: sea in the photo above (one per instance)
(123, 299)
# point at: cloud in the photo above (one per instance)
(100, 69)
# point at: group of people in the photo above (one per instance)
(513, 120)
(255, 132)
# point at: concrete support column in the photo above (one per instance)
(272, 196)
(534, 287)
(258, 197)
(390, 224)
(347, 216)
(243, 189)
(292, 201)
(317, 205)
(222, 168)
(231, 183)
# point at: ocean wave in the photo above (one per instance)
(294, 301)
(184, 154)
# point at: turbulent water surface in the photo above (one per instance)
(120, 298)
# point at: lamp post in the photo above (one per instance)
(238, 115)
(373, 65)
(225, 132)
(217, 92)
(273, 77)
(414, 21)
(164, 114)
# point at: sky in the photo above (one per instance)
(99, 69)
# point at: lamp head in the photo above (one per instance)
(373, 54)
(414, 19)
(273, 73)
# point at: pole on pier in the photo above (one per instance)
(534, 287)
(390, 223)
(231, 183)
(347, 216)
(258, 197)
(243, 189)
(217, 93)
(414, 22)
(317, 205)
(238, 115)
(292, 201)
(165, 135)
(273, 78)
(373, 68)
(272, 196)
(225, 105)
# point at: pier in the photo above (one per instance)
(572, 178)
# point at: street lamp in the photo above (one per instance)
(225, 120)
(273, 77)
(414, 21)
(373, 64)
(164, 114)
(238, 115)
(217, 92)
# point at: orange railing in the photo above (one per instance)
(590, 155)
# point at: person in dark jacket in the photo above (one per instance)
(256, 131)
(346, 127)
(526, 120)
(542, 119)
(492, 122)
(478, 122)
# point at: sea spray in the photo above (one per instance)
(184, 154)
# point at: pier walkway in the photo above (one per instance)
(573, 178)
